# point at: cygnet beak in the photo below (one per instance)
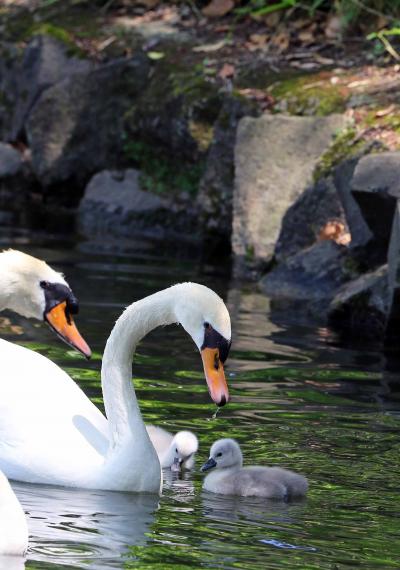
(208, 465)
(176, 466)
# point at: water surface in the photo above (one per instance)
(300, 399)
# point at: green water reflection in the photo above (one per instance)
(299, 400)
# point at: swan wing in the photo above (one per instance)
(50, 432)
(160, 438)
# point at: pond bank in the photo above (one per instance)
(158, 133)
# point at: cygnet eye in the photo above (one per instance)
(176, 450)
(219, 454)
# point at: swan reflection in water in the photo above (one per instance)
(79, 527)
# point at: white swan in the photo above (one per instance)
(50, 432)
(32, 289)
(174, 451)
(230, 478)
(13, 526)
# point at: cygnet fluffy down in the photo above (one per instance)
(231, 478)
(174, 451)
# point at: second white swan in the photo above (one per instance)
(51, 433)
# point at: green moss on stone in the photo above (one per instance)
(159, 173)
(308, 95)
(344, 145)
(202, 133)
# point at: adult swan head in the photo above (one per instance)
(32, 289)
(63, 439)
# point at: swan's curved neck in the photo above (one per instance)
(120, 401)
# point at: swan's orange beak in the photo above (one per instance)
(215, 376)
(63, 325)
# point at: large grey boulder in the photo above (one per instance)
(393, 322)
(313, 274)
(216, 186)
(114, 204)
(342, 176)
(318, 205)
(45, 62)
(361, 306)
(376, 187)
(25, 74)
(76, 126)
(275, 157)
(10, 161)
(16, 184)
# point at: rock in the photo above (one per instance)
(216, 186)
(313, 274)
(113, 200)
(114, 204)
(175, 112)
(361, 307)
(392, 337)
(76, 126)
(24, 75)
(16, 184)
(45, 62)
(275, 156)
(10, 161)
(343, 173)
(9, 60)
(376, 186)
(303, 221)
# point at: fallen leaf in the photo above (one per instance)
(210, 47)
(333, 28)
(263, 98)
(281, 41)
(306, 36)
(384, 112)
(272, 19)
(335, 231)
(259, 39)
(155, 55)
(218, 8)
(227, 70)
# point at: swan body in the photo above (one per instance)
(51, 433)
(174, 451)
(13, 526)
(230, 478)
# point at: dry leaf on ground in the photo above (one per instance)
(218, 8)
(227, 70)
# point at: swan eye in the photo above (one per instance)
(45, 285)
(176, 450)
(207, 325)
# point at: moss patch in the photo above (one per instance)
(202, 133)
(308, 95)
(344, 145)
(160, 173)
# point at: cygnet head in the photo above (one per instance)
(34, 290)
(185, 444)
(224, 453)
(203, 314)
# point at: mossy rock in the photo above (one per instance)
(308, 95)
(159, 173)
(347, 144)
